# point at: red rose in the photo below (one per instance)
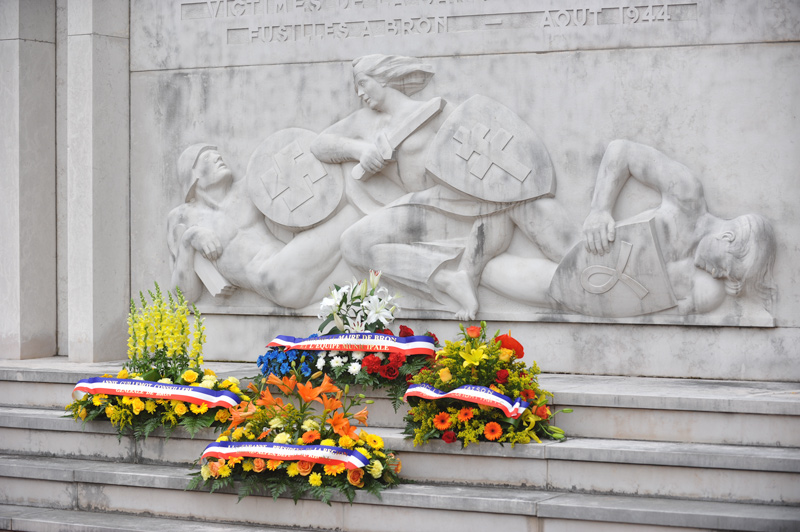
(397, 359)
(405, 331)
(543, 412)
(389, 372)
(385, 331)
(507, 342)
(502, 376)
(474, 331)
(371, 363)
(449, 436)
(433, 336)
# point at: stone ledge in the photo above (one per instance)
(699, 455)
(53, 520)
(747, 397)
(483, 500)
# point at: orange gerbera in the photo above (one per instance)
(528, 395)
(465, 414)
(333, 469)
(492, 431)
(272, 465)
(442, 421)
(286, 385)
(311, 436)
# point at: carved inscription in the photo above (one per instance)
(284, 21)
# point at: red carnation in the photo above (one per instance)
(405, 331)
(371, 363)
(507, 342)
(397, 359)
(408, 378)
(385, 331)
(389, 372)
(449, 436)
(502, 376)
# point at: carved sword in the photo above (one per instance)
(388, 142)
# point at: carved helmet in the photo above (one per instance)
(186, 164)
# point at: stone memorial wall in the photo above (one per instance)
(615, 181)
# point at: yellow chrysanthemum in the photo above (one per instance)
(375, 468)
(224, 471)
(328, 442)
(123, 374)
(150, 406)
(237, 434)
(247, 465)
(315, 479)
(292, 470)
(347, 442)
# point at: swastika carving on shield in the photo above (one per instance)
(488, 152)
(291, 166)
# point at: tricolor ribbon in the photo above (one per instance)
(369, 342)
(473, 394)
(320, 454)
(156, 390)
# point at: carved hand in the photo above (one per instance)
(599, 230)
(205, 241)
(371, 159)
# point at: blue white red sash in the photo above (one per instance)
(368, 342)
(320, 454)
(473, 394)
(156, 390)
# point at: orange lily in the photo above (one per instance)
(327, 386)
(242, 411)
(329, 402)
(341, 426)
(361, 416)
(286, 385)
(267, 400)
(307, 392)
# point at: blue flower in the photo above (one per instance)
(285, 368)
(305, 370)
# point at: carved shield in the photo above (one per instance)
(631, 280)
(291, 186)
(487, 151)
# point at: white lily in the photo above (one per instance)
(374, 279)
(377, 310)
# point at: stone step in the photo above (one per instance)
(678, 410)
(627, 408)
(94, 486)
(32, 519)
(701, 471)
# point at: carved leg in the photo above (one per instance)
(545, 222)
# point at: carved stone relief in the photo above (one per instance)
(458, 181)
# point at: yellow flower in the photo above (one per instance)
(505, 354)
(238, 433)
(225, 384)
(474, 357)
(247, 465)
(110, 411)
(292, 470)
(150, 406)
(272, 465)
(205, 472)
(283, 437)
(374, 441)
(328, 442)
(222, 416)
(83, 413)
(445, 375)
(315, 479)
(225, 471)
(123, 374)
(346, 442)
(222, 438)
(189, 376)
(138, 406)
(375, 469)
(180, 408)
(209, 372)
(199, 409)
(364, 451)
(97, 400)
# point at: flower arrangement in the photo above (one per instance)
(479, 389)
(163, 382)
(368, 354)
(303, 444)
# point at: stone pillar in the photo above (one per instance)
(27, 179)
(98, 179)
